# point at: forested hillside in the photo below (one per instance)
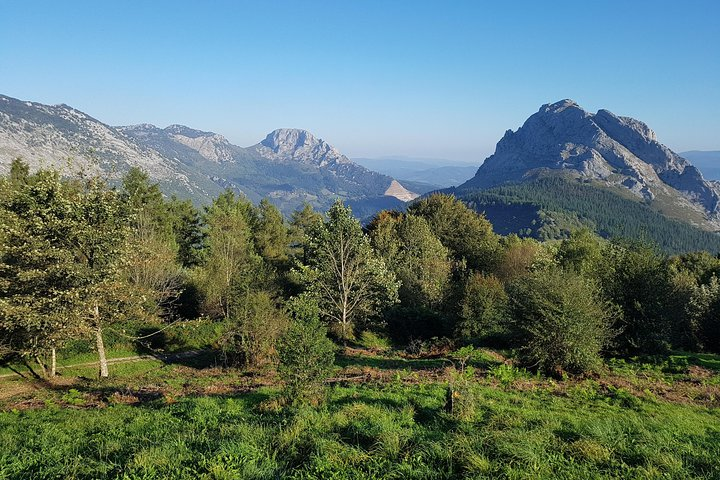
(550, 208)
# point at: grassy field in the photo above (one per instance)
(385, 417)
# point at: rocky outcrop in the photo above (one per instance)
(61, 137)
(563, 138)
(299, 146)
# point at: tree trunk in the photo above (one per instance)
(343, 327)
(53, 362)
(100, 344)
(41, 365)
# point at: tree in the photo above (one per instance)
(302, 221)
(19, 171)
(343, 273)
(467, 234)
(637, 279)
(306, 353)
(186, 223)
(97, 232)
(253, 331)
(270, 233)
(417, 258)
(582, 251)
(703, 311)
(231, 262)
(517, 257)
(152, 262)
(561, 321)
(37, 285)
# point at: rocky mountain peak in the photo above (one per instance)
(560, 106)
(297, 145)
(563, 138)
(289, 139)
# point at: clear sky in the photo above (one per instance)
(417, 78)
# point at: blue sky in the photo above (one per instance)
(417, 78)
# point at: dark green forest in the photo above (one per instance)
(551, 208)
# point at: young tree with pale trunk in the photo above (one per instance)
(349, 281)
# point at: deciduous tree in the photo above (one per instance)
(350, 282)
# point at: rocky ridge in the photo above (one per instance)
(289, 166)
(562, 138)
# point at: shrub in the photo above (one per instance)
(484, 306)
(561, 321)
(254, 330)
(306, 353)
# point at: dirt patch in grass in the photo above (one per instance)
(168, 382)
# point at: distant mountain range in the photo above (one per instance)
(707, 161)
(289, 166)
(566, 167)
(421, 174)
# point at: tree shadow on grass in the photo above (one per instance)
(384, 363)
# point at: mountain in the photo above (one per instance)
(567, 168)
(707, 161)
(423, 174)
(609, 151)
(62, 137)
(289, 166)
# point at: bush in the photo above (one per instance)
(306, 353)
(561, 321)
(254, 330)
(483, 310)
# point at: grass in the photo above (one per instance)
(76, 358)
(397, 431)
(195, 420)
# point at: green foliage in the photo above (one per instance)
(231, 264)
(468, 235)
(562, 321)
(306, 353)
(38, 292)
(703, 310)
(253, 331)
(637, 279)
(374, 341)
(152, 261)
(19, 171)
(417, 258)
(303, 221)
(517, 257)
(186, 223)
(484, 308)
(63, 252)
(463, 356)
(559, 206)
(506, 374)
(582, 251)
(270, 233)
(349, 281)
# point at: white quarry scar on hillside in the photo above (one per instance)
(401, 193)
